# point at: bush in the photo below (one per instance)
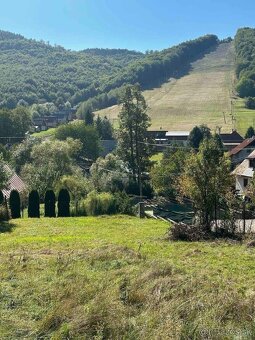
(15, 204)
(124, 204)
(185, 232)
(100, 204)
(4, 213)
(63, 203)
(49, 204)
(34, 204)
(250, 103)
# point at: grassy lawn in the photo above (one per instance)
(157, 157)
(199, 97)
(244, 117)
(119, 278)
(48, 133)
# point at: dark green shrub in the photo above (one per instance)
(250, 103)
(49, 204)
(63, 203)
(4, 212)
(1, 197)
(15, 204)
(133, 189)
(124, 203)
(34, 204)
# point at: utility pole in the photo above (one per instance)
(244, 211)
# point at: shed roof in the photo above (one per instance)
(247, 142)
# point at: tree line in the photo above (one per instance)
(245, 64)
(34, 72)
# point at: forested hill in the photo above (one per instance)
(36, 72)
(245, 61)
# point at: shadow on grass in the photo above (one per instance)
(6, 227)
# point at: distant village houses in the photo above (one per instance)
(46, 122)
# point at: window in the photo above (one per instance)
(245, 182)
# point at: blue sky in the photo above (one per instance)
(132, 24)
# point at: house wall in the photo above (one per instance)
(240, 184)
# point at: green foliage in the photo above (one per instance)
(34, 204)
(63, 203)
(245, 64)
(50, 160)
(206, 180)
(4, 173)
(4, 213)
(165, 174)
(21, 154)
(132, 134)
(88, 117)
(104, 128)
(49, 204)
(197, 135)
(250, 103)
(15, 204)
(87, 135)
(35, 72)
(109, 174)
(14, 123)
(250, 132)
(100, 204)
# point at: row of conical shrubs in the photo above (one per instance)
(63, 204)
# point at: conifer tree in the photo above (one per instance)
(34, 204)
(63, 203)
(49, 204)
(15, 204)
(132, 136)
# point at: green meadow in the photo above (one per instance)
(121, 278)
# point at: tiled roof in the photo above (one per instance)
(247, 142)
(14, 183)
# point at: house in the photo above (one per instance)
(241, 151)
(14, 183)
(244, 173)
(231, 140)
(177, 136)
(39, 124)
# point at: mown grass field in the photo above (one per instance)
(201, 97)
(120, 278)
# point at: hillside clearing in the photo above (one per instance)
(200, 97)
(118, 277)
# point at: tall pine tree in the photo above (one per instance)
(132, 136)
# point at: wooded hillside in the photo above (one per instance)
(36, 72)
(245, 61)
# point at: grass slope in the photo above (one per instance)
(118, 278)
(200, 97)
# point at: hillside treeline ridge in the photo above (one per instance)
(152, 70)
(245, 61)
(33, 72)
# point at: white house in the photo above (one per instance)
(244, 173)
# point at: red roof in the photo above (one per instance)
(14, 183)
(247, 142)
